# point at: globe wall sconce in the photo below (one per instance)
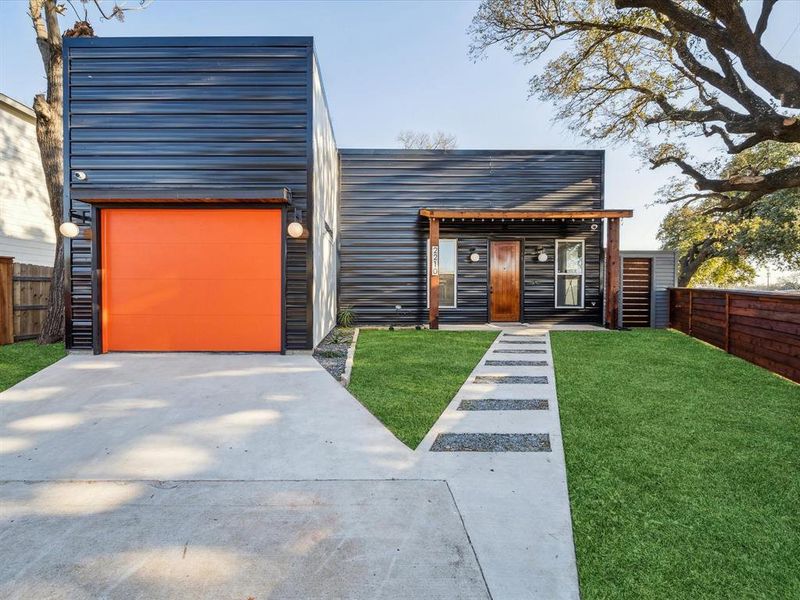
(474, 256)
(295, 228)
(69, 229)
(542, 257)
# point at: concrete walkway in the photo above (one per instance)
(209, 476)
(514, 500)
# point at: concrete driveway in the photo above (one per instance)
(252, 476)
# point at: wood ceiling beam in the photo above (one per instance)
(524, 214)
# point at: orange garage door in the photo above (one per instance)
(191, 279)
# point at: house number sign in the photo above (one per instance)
(434, 260)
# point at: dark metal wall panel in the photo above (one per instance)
(186, 117)
(383, 239)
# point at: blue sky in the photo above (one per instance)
(389, 66)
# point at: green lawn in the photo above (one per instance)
(21, 360)
(683, 465)
(406, 378)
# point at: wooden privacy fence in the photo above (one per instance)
(761, 327)
(23, 300)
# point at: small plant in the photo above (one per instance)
(418, 327)
(347, 316)
(339, 336)
(391, 327)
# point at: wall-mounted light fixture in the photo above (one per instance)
(594, 227)
(542, 254)
(474, 256)
(79, 175)
(69, 229)
(295, 228)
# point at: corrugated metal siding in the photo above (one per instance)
(188, 117)
(664, 277)
(383, 239)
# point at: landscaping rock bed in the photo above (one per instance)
(491, 442)
(332, 351)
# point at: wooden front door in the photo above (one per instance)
(504, 280)
(636, 296)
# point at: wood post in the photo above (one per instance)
(691, 309)
(433, 274)
(612, 274)
(6, 300)
(727, 322)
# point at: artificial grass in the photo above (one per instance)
(23, 359)
(683, 468)
(406, 378)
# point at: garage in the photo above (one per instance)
(191, 279)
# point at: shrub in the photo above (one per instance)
(347, 316)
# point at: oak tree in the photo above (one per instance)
(639, 69)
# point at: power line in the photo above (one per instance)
(791, 35)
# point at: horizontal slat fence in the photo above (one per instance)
(761, 327)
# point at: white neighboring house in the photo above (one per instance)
(26, 223)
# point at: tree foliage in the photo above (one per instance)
(628, 69)
(418, 140)
(721, 248)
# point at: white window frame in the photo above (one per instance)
(582, 273)
(428, 273)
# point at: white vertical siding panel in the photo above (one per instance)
(326, 213)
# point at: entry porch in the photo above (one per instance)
(510, 266)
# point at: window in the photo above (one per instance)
(569, 273)
(448, 253)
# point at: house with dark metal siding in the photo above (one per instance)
(217, 213)
(384, 238)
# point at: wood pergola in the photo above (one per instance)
(612, 283)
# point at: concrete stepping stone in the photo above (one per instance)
(504, 404)
(491, 442)
(515, 363)
(518, 351)
(510, 379)
(521, 342)
(521, 336)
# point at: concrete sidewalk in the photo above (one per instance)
(209, 475)
(515, 504)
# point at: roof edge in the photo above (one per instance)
(466, 151)
(18, 108)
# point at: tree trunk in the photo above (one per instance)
(53, 326)
(694, 258)
(50, 136)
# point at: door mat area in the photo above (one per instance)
(504, 404)
(510, 379)
(515, 363)
(518, 351)
(491, 442)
